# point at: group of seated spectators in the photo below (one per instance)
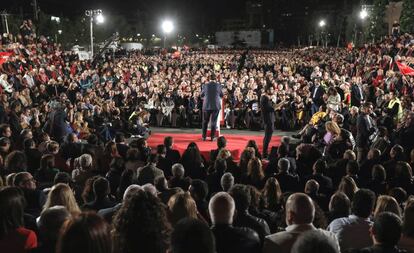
(71, 179)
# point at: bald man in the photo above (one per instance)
(228, 238)
(300, 212)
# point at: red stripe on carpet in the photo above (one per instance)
(235, 143)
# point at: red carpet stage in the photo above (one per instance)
(235, 143)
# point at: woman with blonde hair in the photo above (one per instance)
(348, 187)
(332, 131)
(180, 206)
(387, 203)
(62, 195)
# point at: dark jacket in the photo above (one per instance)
(268, 112)
(211, 93)
(231, 239)
(245, 219)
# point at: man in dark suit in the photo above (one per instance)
(317, 96)
(357, 95)
(211, 93)
(319, 168)
(268, 115)
(365, 127)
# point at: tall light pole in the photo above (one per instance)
(322, 24)
(167, 27)
(94, 14)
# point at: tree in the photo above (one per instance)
(407, 16)
(378, 27)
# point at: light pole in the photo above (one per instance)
(363, 14)
(6, 24)
(94, 14)
(322, 24)
(167, 27)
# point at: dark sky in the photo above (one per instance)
(213, 8)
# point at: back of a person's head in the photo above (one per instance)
(221, 142)
(320, 166)
(85, 161)
(192, 235)
(87, 232)
(199, 189)
(352, 167)
(51, 221)
(387, 229)
(221, 208)
(241, 196)
(311, 187)
(168, 141)
(141, 216)
(387, 203)
(119, 137)
(28, 143)
(178, 170)
(101, 187)
(161, 150)
(349, 155)
(299, 209)
(227, 181)
(152, 158)
(20, 178)
(363, 203)
(181, 205)
(62, 195)
(283, 165)
(315, 242)
(11, 210)
(340, 203)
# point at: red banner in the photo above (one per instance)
(4, 56)
(405, 69)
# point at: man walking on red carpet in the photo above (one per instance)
(211, 93)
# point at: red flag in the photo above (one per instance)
(4, 56)
(405, 69)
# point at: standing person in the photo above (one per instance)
(211, 93)
(365, 127)
(268, 115)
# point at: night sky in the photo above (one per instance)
(212, 8)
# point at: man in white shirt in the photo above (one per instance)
(300, 212)
(353, 231)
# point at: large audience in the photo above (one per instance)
(77, 174)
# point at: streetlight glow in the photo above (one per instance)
(167, 26)
(363, 14)
(60, 31)
(322, 23)
(100, 19)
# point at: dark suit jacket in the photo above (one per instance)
(173, 155)
(268, 112)
(363, 131)
(230, 239)
(317, 97)
(211, 93)
(356, 95)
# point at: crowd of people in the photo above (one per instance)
(71, 179)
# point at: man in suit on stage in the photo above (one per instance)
(268, 115)
(211, 93)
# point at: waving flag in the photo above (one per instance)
(4, 56)
(405, 69)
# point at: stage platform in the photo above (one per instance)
(236, 140)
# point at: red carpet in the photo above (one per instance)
(235, 143)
